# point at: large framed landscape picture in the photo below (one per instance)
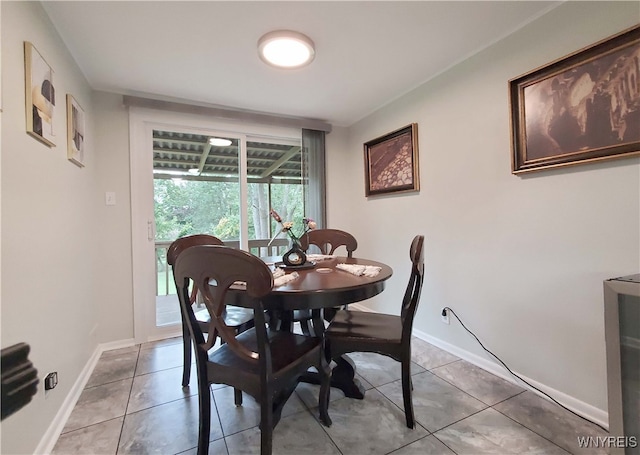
(582, 108)
(391, 162)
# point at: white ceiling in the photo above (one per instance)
(367, 53)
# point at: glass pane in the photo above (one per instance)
(274, 181)
(629, 313)
(196, 191)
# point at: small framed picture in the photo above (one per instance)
(391, 162)
(582, 108)
(75, 131)
(40, 96)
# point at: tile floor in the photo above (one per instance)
(134, 404)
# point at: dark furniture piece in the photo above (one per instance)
(327, 241)
(19, 378)
(318, 288)
(359, 331)
(621, 328)
(265, 363)
(240, 319)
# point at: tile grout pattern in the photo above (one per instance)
(134, 404)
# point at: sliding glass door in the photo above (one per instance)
(198, 190)
(190, 174)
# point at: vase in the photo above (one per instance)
(294, 256)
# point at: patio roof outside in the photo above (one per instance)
(191, 157)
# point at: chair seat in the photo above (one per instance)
(266, 364)
(363, 325)
(361, 331)
(286, 348)
(234, 316)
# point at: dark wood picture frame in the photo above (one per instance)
(391, 162)
(584, 107)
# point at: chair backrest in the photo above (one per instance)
(212, 269)
(414, 288)
(181, 244)
(327, 240)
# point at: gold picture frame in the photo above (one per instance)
(391, 162)
(75, 131)
(40, 100)
(582, 108)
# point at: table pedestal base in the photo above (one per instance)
(342, 377)
(343, 374)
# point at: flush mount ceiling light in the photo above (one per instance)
(286, 49)
(220, 142)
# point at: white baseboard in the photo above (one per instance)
(586, 410)
(359, 307)
(52, 434)
(486, 363)
(580, 407)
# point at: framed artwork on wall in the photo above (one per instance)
(582, 108)
(40, 96)
(75, 131)
(391, 162)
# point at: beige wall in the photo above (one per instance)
(66, 282)
(115, 282)
(520, 259)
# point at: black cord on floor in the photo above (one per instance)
(515, 375)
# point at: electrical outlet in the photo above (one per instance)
(51, 381)
(444, 316)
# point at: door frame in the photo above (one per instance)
(142, 122)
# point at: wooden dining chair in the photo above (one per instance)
(389, 335)
(240, 319)
(327, 241)
(262, 362)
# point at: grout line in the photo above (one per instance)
(128, 400)
(215, 403)
(531, 430)
(444, 443)
(307, 408)
(528, 428)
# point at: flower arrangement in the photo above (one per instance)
(287, 227)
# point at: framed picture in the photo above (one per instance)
(582, 108)
(391, 162)
(75, 131)
(40, 96)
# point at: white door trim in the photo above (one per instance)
(142, 122)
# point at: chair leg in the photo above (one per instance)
(186, 344)
(237, 397)
(329, 313)
(204, 404)
(266, 423)
(304, 325)
(407, 386)
(325, 390)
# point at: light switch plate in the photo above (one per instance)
(110, 198)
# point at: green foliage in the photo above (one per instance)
(185, 207)
(228, 228)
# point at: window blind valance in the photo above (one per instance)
(227, 113)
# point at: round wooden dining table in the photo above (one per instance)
(323, 286)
